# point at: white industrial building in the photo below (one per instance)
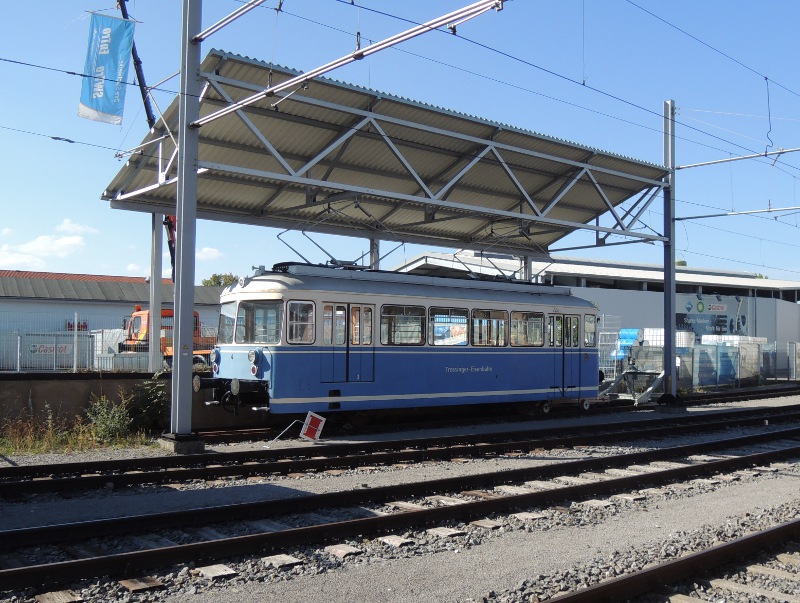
(56, 321)
(36, 305)
(630, 296)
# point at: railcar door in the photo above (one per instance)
(572, 356)
(564, 340)
(361, 352)
(347, 334)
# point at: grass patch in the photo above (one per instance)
(106, 424)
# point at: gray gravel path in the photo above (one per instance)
(506, 560)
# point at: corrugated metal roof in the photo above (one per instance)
(16, 284)
(379, 166)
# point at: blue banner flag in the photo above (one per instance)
(106, 70)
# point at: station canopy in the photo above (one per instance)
(335, 158)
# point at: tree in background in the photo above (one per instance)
(220, 280)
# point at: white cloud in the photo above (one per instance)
(6, 232)
(11, 260)
(206, 254)
(50, 246)
(133, 268)
(73, 227)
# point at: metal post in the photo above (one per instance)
(188, 112)
(374, 254)
(527, 268)
(155, 359)
(670, 382)
(75, 346)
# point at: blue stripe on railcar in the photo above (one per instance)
(406, 377)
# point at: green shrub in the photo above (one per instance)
(111, 421)
(151, 405)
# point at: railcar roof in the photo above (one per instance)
(327, 279)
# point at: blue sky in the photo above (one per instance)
(595, 72)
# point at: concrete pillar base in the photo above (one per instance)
(182, 443)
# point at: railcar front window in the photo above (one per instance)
(447, 326)
(402, 325)
(527, 329)
(301, 322)
(589, 330)
(227, 323)
(489, 327)
(259, 322)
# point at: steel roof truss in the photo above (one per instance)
(402, 158)
(461, 207)
(474, 139)
(254, 130)
(445, 190)
(608, 203)
(516, 182)
(337, 142)
(565, 188)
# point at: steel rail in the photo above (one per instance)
(131, 563)
(182, 461)
(16, 538)
(246, 464)
(656, 577)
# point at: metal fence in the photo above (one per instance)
(69, 341)
(706, 366)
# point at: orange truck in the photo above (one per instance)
(137, 336)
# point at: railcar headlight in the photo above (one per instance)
(252, 355)
(214, 356)
(235, 386)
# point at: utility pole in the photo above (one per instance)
(670, 373)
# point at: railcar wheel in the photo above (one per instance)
(545, 408)
(585, 405)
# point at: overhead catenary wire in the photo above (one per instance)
(401, 50)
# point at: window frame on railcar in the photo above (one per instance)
(296, 321)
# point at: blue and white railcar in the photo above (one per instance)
(314, 338)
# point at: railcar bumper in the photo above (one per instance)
(234, 392)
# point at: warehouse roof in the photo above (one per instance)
(21, 284)
(598, 273)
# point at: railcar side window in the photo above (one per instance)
(360, 325)
(489, 327)
(301, 322)
(555, 331)
(573, 333)
(366, 327)
(227, 323)
(527, 329)
(334, 324)
(447, 326)
(589, 330)
(402, 325)
(259, 322)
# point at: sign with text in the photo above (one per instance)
(104, 75)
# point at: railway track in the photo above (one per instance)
(278, 526)
(390, 422)
(703, 570)
(16, 482)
